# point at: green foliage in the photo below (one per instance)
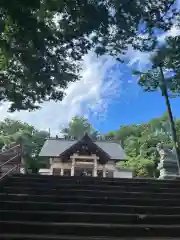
(32, 140)
(177, 122)
(78, 126)
(41, 40)
(141, 166)
(132, 146)
(173, 62)
(166, 59)
(140, 143)
(157, 78)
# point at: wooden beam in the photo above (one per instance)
(84, 157)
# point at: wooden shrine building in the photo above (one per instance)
(84, 157)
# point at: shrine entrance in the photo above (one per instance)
(84, 158)
(85, 172)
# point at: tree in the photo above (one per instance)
(155, 79)
(141, 166)
(140, 142)
(78, 126)
(128, 18)
(173, 61)
(40, 40)
(32, 140)
(132, 147)
(124, 132)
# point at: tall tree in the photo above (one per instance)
(78, 126)
(39, 41)
(155, 79)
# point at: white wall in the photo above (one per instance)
(123, 173)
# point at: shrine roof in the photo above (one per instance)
(54, 147)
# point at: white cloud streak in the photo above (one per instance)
(98, 86)
(137, 59)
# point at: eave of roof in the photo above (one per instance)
(91, 144)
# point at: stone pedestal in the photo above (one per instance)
(168, 169)
(168, 164)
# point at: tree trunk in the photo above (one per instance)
(171, 120)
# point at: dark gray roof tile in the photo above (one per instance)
(54, 147)
(114, 150)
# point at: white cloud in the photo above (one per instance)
(90, 95)
(137, 59)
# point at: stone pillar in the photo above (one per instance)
(104, 171)
(51, 166)
(62, 171)
(51, 171)
(95, 168)
(51, 161)
(72, 167)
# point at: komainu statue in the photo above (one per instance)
(168, 162)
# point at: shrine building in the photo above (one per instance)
(84, 157)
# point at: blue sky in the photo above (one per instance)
(106, 94)
(134, 105)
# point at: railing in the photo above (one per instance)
(12, 165)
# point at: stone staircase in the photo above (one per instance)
(84, 208)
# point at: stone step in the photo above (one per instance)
(82, 207)
(10, 236)
(97, 186)
(77, 208)
(89, 229)
(135, 200)
(88, 217)
(91, 180)
(90, 192)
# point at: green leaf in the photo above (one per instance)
(136, 73)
